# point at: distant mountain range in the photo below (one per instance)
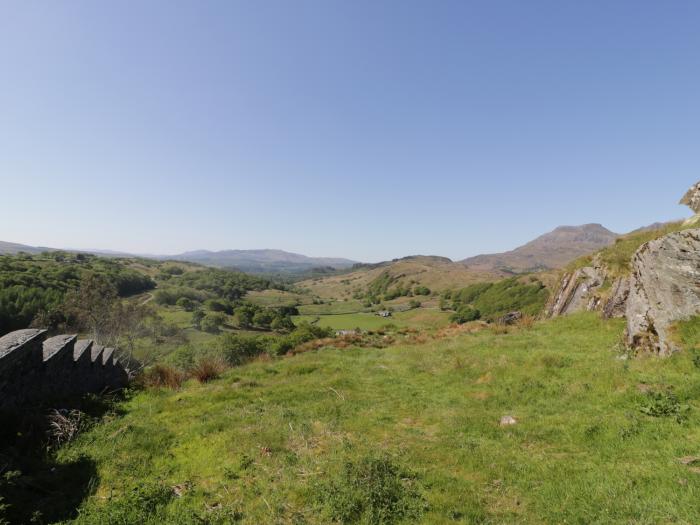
(261, 261)
(551, 250)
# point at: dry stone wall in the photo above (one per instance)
(36, 370)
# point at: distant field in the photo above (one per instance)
(276, 298)
(338, 307)
(419, 318)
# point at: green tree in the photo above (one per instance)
(197, 317)
(186, 304)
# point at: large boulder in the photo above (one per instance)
(664, 288)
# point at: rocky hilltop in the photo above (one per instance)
(659, 286)
(551, 250)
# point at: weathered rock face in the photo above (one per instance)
(582, 290)
(664, 288)
(692, 198)
(576, 292)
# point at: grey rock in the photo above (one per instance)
(507, 421)
(664, 288)
(616, 304)
(511, 318)
(692, 198)
(577, 292)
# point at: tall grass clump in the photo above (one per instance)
(163, 376)
(208, 368)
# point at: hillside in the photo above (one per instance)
(411, 432)
(549, 251)
(261, 261)
(251, 261)
(11, 248)
(435, 273)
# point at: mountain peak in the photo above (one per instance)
(551, 250)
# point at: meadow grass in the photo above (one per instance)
(418, 318)
(598, 439)
(333, 308)
(275, 298)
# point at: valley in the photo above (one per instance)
(418, 389)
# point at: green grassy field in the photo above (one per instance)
(274, 298)
(411, 434)
(418, 318)
(336, 307)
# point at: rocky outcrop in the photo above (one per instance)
(589, 288)
(692, 198)
(664, 288)
(576, 292)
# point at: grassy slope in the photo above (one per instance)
(418, 318)
(582, 452)
(435, 274)
(618, 257)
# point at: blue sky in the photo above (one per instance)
(366, 129)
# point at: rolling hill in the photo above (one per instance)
(549, 251)
(10, 248)
(435, 273)
(261, 261)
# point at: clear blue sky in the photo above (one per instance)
(367, 129)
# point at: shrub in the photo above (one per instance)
(212, 322)
(303, 333)
(208, 369)
(238, 349)
(665, 404)
(496, 299)
(197, 317)
(216, 305)
(185, 303)
(414, 303)
(373, 490)
(465, 314)
(163, 376)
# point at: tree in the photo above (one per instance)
(197, 317)
(263, 318)
(244, 316)
(91, 305)
(128, 323)
(282, 324)
(185, 303)
(212, 322)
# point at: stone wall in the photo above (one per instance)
(36, 370)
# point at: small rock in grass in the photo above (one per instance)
(179, 490)
(689, 460)
(507, 421)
